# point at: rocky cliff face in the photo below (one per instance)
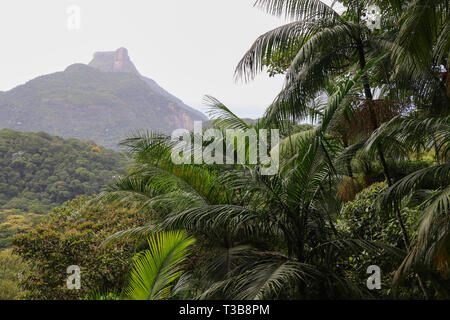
(114, 61)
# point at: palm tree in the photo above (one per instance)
(420, 54)
(429, 188)
(329, 45)
(413, 62)
(257, 234)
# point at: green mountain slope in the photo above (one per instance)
(102, 102)
(39, 171)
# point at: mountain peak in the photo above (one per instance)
(113, 61)
(119, 61)
(104, 102)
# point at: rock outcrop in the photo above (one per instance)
(114, 61)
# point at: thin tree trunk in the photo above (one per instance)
(348, 162)
(375, 125)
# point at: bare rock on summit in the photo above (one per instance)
(114, 61)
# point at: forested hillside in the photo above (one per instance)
(39, 172)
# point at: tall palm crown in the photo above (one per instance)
(260, 234)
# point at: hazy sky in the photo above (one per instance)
(190, 47)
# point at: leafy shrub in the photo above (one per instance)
(11, 269)
(13, 222)
(362, 219)
(72, 235)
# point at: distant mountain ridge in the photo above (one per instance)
(39, 171)
(103, 101)
(119, 61)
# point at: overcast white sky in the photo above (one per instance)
(190, 47)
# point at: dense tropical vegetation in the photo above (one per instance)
(367, 184)
(72, 235)
(12, 268)
(39, 171)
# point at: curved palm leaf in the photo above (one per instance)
(156, 270)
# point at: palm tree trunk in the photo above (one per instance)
(375, 125)
(373, 116)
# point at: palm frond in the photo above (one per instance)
(265, 278)
(155, 270)
(298, 9)
(262, 49)
(223, 117)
